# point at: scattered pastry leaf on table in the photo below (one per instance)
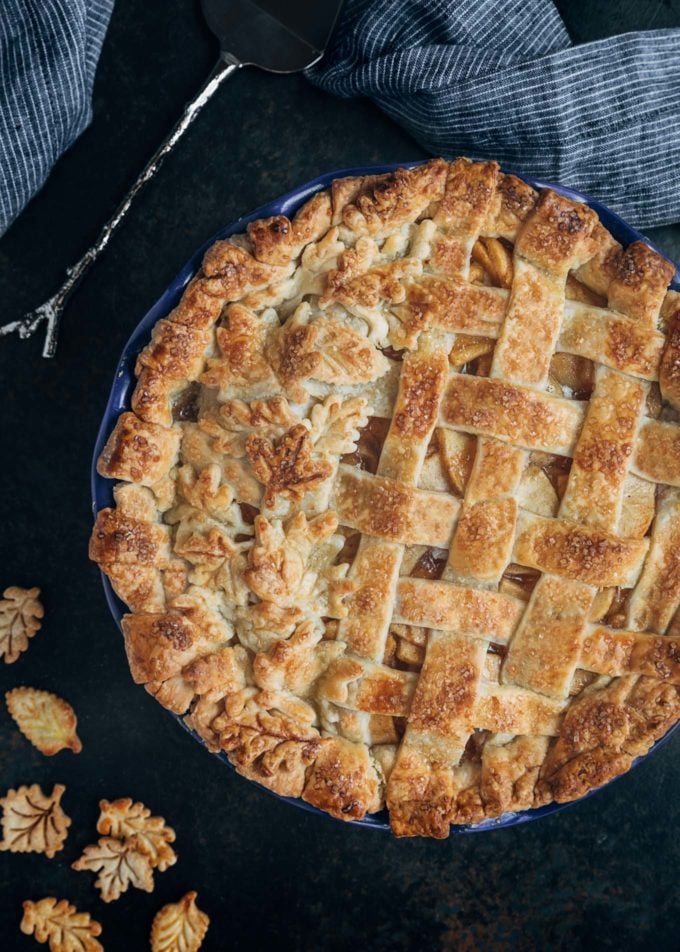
(20, 614)
(46, 720)
(60, 924)
(123, 818)
(179, 926)
(33, 822)
(120, 864)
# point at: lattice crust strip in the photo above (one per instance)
(397, 514)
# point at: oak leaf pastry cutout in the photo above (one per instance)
(423, 549)
(33, 822)
(119, 863)
(179, 926)
(58, 923)
(20, 614)
(45, 719)
(124, 819)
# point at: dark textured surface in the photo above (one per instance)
(602, 874)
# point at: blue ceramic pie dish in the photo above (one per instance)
(124, 383)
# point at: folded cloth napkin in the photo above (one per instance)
(48, 56)
(501, 79)
(482, 77)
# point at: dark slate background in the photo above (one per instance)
(602, 874)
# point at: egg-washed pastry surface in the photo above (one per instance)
(397, 513)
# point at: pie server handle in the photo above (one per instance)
(52, 309)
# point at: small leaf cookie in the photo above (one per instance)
(120, 864)
(60, 924)
(179, 926)
(33, 822)
(122, 818)
(20, 614)
(46, 720)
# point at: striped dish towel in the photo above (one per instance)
(500, 79)
(48, 56)
(481, 77)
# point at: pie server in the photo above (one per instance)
(279, 36)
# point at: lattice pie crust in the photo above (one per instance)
(398, 518)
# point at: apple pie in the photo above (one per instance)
(397, 501)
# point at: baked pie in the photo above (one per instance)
(398, 511)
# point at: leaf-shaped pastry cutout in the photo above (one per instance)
(45, 719)
(337, 424)
(20, 614)
(179, 926)
(60, 924)
(279, 563)
(286, 466)
(308, 347)
(33, 822)
(120, 863)
(122, 818)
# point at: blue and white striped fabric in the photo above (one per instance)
(481, 77)
(48, 56)
(500, 79)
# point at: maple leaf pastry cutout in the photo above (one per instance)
(179, 926)
(20, 614)
(59, 923)
(119, 863)
(122, 819)
(33, 822)
(286, 467)
(45, 719)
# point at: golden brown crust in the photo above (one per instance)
(399, 521)
(241, 368)
(614, 653)
(547, 645)
(355, 282)
(571, 550)
(440, 604)
(343, 781)
(179, 926)
(172, 360)
(138, 451)
(553, 238)
(231, 272)
(657, 452)
(595, 491)
(269, 740)
(119, 539)
(604, 731)
(614, 341)
(381, 507)
(278, 240)
(669, 370)
(158, 646)
(509, 774)
(470, 188)
(482, 544)
(514, 414)
(640, 280)
(517, 200)
(286, 468)
(322, 350)
(33, 822)
(48, 721)
(59, 923)
(396, 200)
(655, 599)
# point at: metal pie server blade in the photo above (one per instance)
(280, 36)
